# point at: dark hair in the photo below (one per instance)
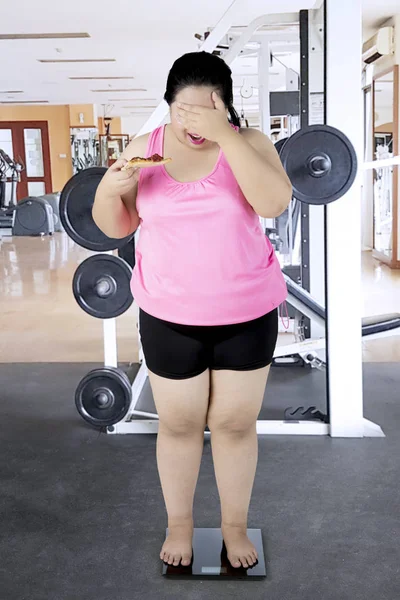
(202, 68)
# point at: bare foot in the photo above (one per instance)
(177, 548)
(241, 552)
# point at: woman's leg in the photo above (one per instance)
(235, 403)
(182, 408)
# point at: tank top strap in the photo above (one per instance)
(155, 142)
(155, 145)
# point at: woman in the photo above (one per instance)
(208, 286)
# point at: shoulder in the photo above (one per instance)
(137, 146)
(252, 134)
(257, 139)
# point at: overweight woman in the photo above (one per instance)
(208, 286)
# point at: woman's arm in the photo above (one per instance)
(114, 209)
(258, 171)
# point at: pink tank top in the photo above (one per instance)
(202, 257)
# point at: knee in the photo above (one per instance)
(181, 426)
(236, 425)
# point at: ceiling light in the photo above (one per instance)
(24, 102)
(125, 90)
(77, 60)
(91, 78)
(11, 92)
(133, 99)
(42, 36)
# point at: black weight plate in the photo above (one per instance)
(280, 143)
(76, 204)
(88, 275)
(103, 396)
(31, 215)
(312, 141)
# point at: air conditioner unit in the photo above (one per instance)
(381, 44)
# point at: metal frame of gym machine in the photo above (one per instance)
(342, 222)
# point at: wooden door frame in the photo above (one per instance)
(18, 142)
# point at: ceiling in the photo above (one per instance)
(376, 12)
(139, 46)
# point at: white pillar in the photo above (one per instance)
(397, 61)
(264, 61)
(316, 77)
(344, 111)
(110, 342)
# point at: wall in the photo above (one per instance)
(88, 112)
(115, 125)
(383, 117)
(59, 138)
(131, 125)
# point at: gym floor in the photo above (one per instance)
(82, 514)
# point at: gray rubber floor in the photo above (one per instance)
(82, 516)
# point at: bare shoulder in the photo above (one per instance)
(261, 143)
(137, 147)
(255, 137)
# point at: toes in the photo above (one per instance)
(170, 559)
(177, 560)
(186, 560)
(235, 562)
(250, 560)
(244, 562)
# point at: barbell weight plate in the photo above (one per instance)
(316, 145)
(101, 286)
(280, 143)
(103, 396)
(76, 204)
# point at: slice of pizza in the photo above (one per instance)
(153, 161)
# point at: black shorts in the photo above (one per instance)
(183, 351)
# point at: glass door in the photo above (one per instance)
(27, 143)
(6, 184)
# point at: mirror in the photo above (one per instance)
(384, 135)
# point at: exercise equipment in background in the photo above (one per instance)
(101, 286)
(101, 283)
(54, 201)
(76, 204)
(32, 216)
(280, 143)
(10, 173)
(321, 164)
(84, 148)
(112, 146)
(104, 395)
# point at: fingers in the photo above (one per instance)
(117, 166)
(186, 122)
(132, 176)
(190, 108)
(124, 175)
